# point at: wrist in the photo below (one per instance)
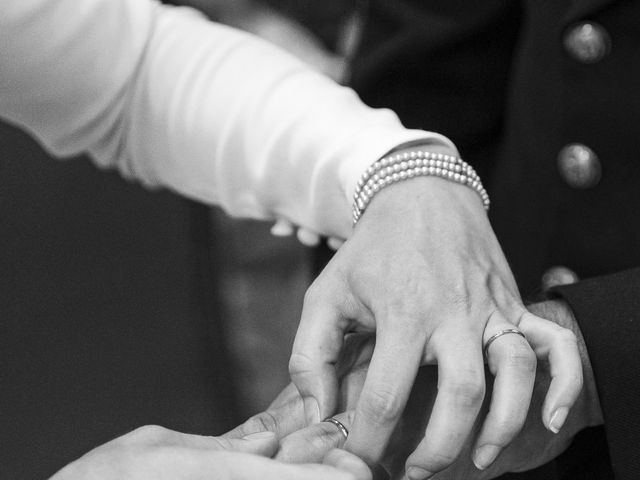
(409, 163)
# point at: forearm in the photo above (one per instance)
(176, 101)
(298, 141)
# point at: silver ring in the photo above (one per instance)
(341, 427)
(499, 334)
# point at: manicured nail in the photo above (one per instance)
(558, 419)
(485, 456)
(417, 473)
(259, 436)
(311, 410)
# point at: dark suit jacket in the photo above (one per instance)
(496, 77)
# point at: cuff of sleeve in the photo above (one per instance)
(607, 310)
(379, 144)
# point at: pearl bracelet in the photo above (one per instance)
(403, 166)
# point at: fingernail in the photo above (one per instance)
(485, 456)
(417, 473)
(259, 436)
(558, 419)
(311, 410)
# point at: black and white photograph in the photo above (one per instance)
(304, 240)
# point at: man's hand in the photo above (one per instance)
(533, 446)
(424, 271)
(155, 453)
(286, 417)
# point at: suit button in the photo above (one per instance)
(587, 42)
(557, 276)
(579, 166)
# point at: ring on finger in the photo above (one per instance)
(339, 425)
(495, 336)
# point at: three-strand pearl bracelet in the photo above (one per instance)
(403, 166)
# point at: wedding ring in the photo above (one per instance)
(341, 427)
(499, 334)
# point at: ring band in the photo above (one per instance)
(499, 334)
(341, 427)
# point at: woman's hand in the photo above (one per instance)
(533, 446)
(424, 271)
(155, 453)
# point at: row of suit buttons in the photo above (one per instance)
(588, 43)
(578, 165)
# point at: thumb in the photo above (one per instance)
(261, 443)
(348, 462)
(284, 416)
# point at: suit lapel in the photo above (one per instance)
(582, 8)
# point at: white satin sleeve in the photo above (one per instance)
(173, 100)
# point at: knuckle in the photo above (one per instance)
(262, 422)
(382, 406)
(438, 460)
(299, 363)
(411, 299)
(567, 338)
(469, 392)
(459, 297)
(223, 443)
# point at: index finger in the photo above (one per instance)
(393, 369)
(316, 350)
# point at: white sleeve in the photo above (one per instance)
(173, 100)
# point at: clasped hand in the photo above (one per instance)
(532, 446)
(425, 272)
(276, 444)
(156, 453)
